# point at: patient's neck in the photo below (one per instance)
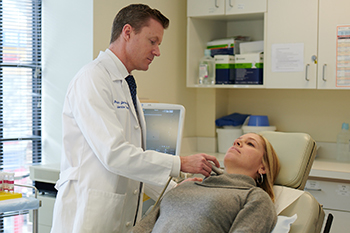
(239, 172)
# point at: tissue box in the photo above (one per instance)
(249, 68)
(251, 47)
(224, 69)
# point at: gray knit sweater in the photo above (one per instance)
(225, 203)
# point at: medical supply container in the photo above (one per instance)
(257, 124)
(251, 47)
(249, 68)
(11, 182)
(206, 69)
(343, 143)
(226, 137)
(226, 46)
(224, 69)
(230, 129)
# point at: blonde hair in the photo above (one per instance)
(272, 167)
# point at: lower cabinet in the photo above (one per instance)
(45, 213)
(334, 195)
(340, 220)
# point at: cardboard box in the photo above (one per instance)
(222, 51)
(249, 68)
(224, 69)
(226, 46)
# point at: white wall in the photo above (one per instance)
(75, 32)
(165, 80)
(67, 46)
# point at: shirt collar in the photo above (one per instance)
(228, 181)
(122, 69)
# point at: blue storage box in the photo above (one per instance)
(249, 69)
(222, 51)
(224, 69)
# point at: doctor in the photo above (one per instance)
(103, 160)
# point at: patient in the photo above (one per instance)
(240, 200)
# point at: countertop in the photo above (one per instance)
(328, 168)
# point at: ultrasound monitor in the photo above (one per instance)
(164, 126)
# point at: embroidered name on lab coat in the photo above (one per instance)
(121, 104)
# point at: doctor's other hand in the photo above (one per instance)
(198, 164)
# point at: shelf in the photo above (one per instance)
(229, 86)
(236, 17)
(201, 29)
(19, 206)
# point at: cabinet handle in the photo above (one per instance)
(306, 72)
(312, 189)
(324, 72)
(229, 2)
(216, 4)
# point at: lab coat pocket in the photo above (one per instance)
(103, 211)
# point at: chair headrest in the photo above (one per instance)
(296, 152)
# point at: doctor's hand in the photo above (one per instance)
(198, 164)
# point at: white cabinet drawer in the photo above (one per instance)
(332, 195)
(245, 6)
(205, 7)
(46, 209)
(340, 222)
(224, 7)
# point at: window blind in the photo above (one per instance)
(20, 90)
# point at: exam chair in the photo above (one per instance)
(296, 152)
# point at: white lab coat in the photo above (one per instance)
(102, 159)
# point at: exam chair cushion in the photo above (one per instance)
(309, 211)
(296, 152)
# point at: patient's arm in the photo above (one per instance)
(258, 214)
(147, 223)
(191, 179)
(154, 191)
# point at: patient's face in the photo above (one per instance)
(245, 156)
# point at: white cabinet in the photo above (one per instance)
(333, 16)
(313, 26)
(46, 212)
(340, 220)
(221, 7)
(335, 198)
(215, 19)
(205, 7)
(290, 23)
(322, 61)
(245, 6)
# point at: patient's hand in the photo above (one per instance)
(191, 179)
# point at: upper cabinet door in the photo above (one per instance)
(205, 7)
(245, 6)
(334, 50)
(291, 44)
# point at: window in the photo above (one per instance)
(20, 95)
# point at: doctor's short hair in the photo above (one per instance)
(138, 16)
